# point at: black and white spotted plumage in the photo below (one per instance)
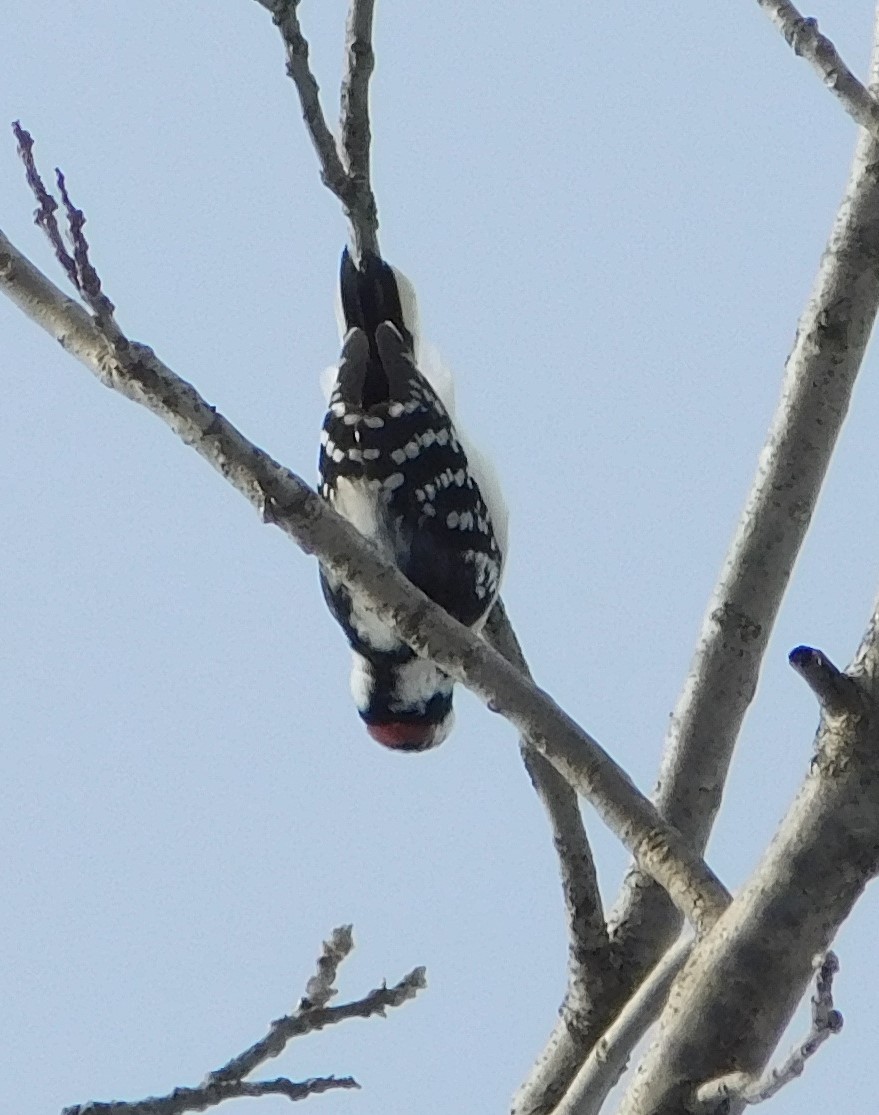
(394, 464)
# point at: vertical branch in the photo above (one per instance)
(354, 127)
(593, 979)
(609, 1057)
(820, 375)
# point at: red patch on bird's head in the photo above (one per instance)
(401, 735)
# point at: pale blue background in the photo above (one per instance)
(613, 214)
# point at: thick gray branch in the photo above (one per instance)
(807, 41)
(609, 1057)
(287, 501)
(747, 1089)
(745, 979)
(820, 374)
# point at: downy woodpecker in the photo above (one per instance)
(395, 465)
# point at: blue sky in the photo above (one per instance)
(613, 215)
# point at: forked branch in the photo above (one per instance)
(345, 170)
(312, 1014)
(344, 163)
(286, 501)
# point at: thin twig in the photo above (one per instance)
(350, 184)
(803, 36)
(744, 1088)
(284, 499)
(210, 1095)
(321, 987)
(77, 267)
(229, 1081)
(354, 126)
(286, 20)
(311, 1019)
(44, 215)
(88, 283)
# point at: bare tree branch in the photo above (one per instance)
(321, 987)
(44, 215)
(609, 1057)
(306, 1020)
(210, 1095)
(77, 267)
(345, 174)
(312, 1014)
(354, 125)
(807, 41)
(744, 980)
(593, 978)
(590, 972)
(285, 500)
(836, 692)
(286, 19)
(820, 375)
(826, 1021)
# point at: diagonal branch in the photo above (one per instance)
(211, 1095)
(807, 41)
(312, 1014)
(819, 378)
(307, 1020)
(285, 500)
(286, 19)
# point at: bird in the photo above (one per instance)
(395, 464)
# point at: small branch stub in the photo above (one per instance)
(837, 693)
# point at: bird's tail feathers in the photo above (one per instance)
(370, 295)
